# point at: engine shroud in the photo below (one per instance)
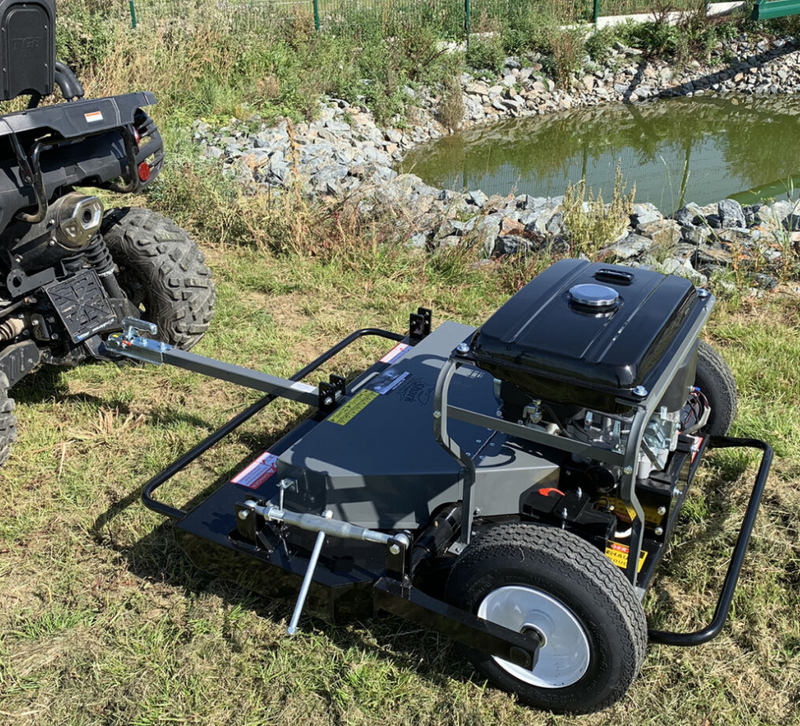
(593, 335)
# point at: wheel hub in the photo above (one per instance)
(564, 654)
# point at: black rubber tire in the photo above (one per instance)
(163, 272)
(715, 380)
(8, 421)
(583, 579)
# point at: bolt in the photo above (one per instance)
(628, 470)
(703, 293)
(51, 243)
(437, 414)
(462, 348)
(662, 510)
(35, 323)
(243, 514)
(579, 493)
(328, 401)
(477, 511)
(659, 531)
(564, 513)
(640, 391)
(54, 336)
(394, 548)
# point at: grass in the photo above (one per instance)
(103, 621)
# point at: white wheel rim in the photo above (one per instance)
(564, 657)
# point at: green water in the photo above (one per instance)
(700, 149)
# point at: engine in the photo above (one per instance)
(579, 351)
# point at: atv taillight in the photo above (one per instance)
(144, 171)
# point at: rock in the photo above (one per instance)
(731, 215)
(695, 235)
(644, 214)
(555, 225)
(487, 230)
(477, 89)
(511, 226)
(478, 198)
(689, 215)
(708, 258)
(791, 223)
(713, 221)
(630, 246)
(510, 245)
(674, 266)
(664, 233)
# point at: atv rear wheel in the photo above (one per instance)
(593, 628)
(715, 379)
(163, 272)
(8, 422)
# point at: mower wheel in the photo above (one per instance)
(8, 422)
(715, 380)
(592, 626)
(163, 272)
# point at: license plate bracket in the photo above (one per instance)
(82, 304)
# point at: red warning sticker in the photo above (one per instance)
(395, 353)
(258, 472)
(93, 117)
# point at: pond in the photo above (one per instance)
(680, 150)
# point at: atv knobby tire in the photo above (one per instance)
(163, 272)
(8, 422)
(715, 380)
(572, 580)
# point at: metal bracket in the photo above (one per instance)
(419, 324)
(330, 394)
(323, 525)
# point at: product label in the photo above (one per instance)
(258, 472)
(388, 381)
(93, 117)
(395, 353)
(352, 408)
(618, 554)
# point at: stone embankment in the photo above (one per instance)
(345, 153)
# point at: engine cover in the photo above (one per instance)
(589, 334)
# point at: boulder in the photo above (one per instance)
(731, 214)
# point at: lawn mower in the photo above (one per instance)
(513, 487)
(70, 272)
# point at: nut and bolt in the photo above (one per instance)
(394, 548)
(243, 514)
(640, 391)
(702, 293)
(659, 531)
(662, 510)
(462, 348)
(628, 470)
(476, 511)
(437, 414)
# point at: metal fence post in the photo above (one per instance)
(466, 21)
(316, 15)
(596, 11)
(133, 14)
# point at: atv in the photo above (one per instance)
(71, 271)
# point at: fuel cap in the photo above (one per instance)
(596, 297)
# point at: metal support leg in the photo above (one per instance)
(312, 565)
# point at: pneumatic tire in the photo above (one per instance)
(8, 422)
(715, 379)
(527, 576)
(163, 272)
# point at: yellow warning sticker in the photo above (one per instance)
(352, 408)
(618, 554)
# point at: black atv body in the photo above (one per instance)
(69, 270)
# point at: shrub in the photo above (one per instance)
(486, 54)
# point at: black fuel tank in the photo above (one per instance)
(587, 334)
